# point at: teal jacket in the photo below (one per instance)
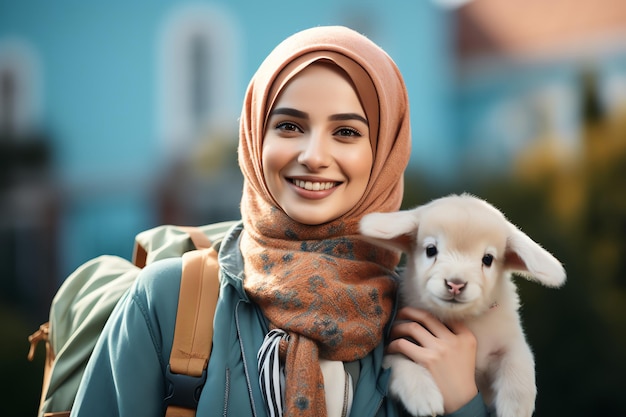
(125, 376)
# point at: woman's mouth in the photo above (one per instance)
(314, 185)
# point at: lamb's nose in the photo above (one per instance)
(455, 286)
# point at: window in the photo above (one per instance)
(198, 80)
(20, 88)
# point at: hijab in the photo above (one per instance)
(327, 288)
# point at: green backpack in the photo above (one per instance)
(85, 300)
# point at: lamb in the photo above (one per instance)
(461, 254)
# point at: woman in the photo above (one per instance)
(324, 139)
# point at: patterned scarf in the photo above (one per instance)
(323, 285)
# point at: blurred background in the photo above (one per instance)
(118, 116)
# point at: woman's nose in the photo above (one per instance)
(315, 153)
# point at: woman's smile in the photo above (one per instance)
(314, 185)
(313, 189)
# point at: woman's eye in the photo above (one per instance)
(347, 131)
(288, 127)
(431, 250)
(487, 260)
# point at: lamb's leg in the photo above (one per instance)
(514, 383)
(414, 386)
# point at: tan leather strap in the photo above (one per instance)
(140, 255)
(193, 334)
(43, 334)
(174, 411)
(199, 239)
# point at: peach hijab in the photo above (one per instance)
(327, 288)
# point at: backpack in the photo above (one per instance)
(83, 303)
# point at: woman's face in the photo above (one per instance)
(317, 155)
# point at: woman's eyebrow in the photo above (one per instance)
(290, 112)
(347, 116)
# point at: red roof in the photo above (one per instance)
(513, 27)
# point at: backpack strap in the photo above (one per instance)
(199, 239)
(43, 334)
(195, 234)
(193, 334)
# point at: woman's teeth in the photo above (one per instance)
(314, 186)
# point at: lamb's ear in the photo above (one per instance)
(526, 257)
(396, 230)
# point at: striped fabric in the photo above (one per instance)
(272, 372)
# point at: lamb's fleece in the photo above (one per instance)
(461, 254)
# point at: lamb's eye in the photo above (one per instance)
(487, 260)
(431, 250)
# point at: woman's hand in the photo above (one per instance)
(448, 352)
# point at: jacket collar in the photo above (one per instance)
(231, 260)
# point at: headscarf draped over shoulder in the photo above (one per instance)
(327, 288)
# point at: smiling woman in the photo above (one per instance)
(317, 154)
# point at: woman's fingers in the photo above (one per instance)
(415, 328)
(425, 319)
(447, 351)
(409, 338)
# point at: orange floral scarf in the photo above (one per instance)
(329, 289)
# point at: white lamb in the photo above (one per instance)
(461, 253)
